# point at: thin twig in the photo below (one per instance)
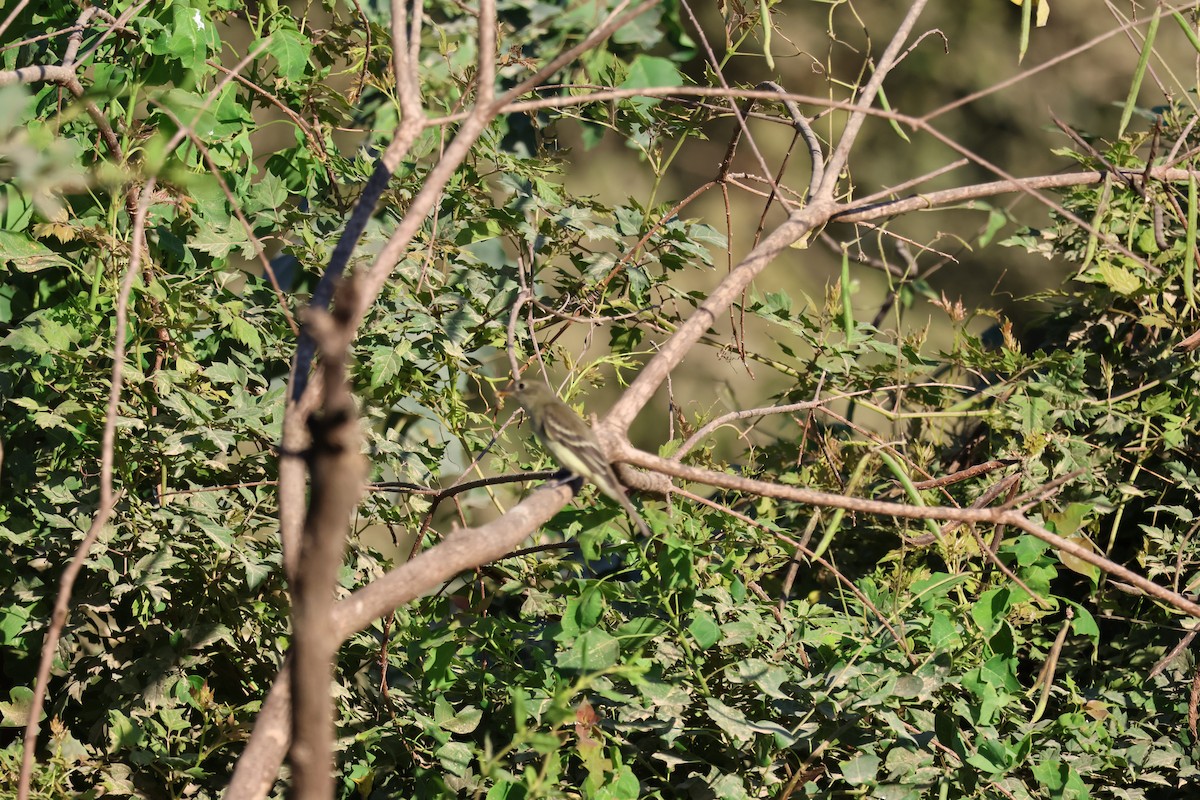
(881, 508)
(108, 497)
(841, 153)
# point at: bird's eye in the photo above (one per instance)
(520, 386)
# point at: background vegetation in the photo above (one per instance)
(908, 544)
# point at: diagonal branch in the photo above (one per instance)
(671, 353)
(841, 154)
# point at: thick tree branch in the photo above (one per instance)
(462, 550)
(338, 469)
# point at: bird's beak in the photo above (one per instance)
(507, 389)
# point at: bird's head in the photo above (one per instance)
(528, 392)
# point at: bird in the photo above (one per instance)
(570, 441)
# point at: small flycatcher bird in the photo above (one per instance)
(570, 440)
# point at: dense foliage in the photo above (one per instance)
(896, 665)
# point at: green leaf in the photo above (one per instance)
(187, 35)
(190, 110)
(651, 71)
(218, 239)
(995, 223)
(861, 770)
(28, 255)
(730, 720)
(990, 611)
(944, 633)
(624, 785)
(463, 721)
(1084, 624)
(25, 339)
(15, 713)
(245, 333)
(704, 630)
(1029, 549)
(292, 50)
(123, 732)
(767, 677)
(270, 192)
(12, 621)
(386, 362)
(1119, 279)
(594, 650)
(1067, 522)
(456, 757)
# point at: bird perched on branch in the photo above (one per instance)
(570, 440)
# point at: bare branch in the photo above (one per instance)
(800, 224)
(881, 508)
(424, 573)
(789, 408)
(108, 498)
(841, 153)
(338, 468)
(12, 15)
(472, 127)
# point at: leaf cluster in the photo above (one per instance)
(720, 659)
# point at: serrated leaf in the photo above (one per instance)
(1119, 279)
(270, 192)
(58, 337)
(25, 339)
(46, 420)
(59, 230)
(245, 333)
(292, 51)
(218, 242)
(15, 714)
